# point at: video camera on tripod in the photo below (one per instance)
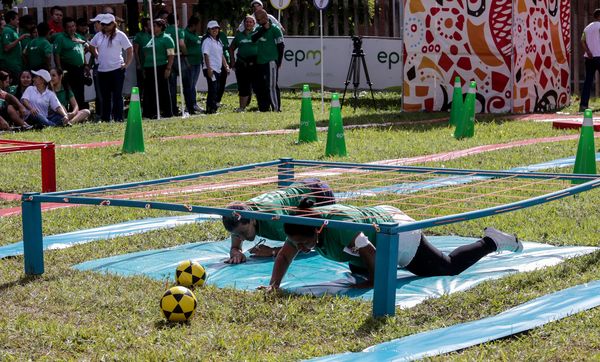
(357, 42)
(354, 71)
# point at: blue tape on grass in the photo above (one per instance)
(313, 274)
(532, 314)
(66, 240)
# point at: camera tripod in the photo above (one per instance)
(358, 57)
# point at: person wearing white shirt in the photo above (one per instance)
(590, 43)
(108, 46)
(214, 60)
(39, 101)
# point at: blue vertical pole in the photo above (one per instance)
(386, 264)
(32, 234)
(285, 172)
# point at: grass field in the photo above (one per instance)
(71, 315)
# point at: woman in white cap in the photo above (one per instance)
(107, 46)
(214, 64)
(39, 101)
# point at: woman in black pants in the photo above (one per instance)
(165, 53)
(415, 253)
(107, 47)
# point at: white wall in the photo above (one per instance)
(302, 57)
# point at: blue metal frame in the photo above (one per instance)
(387, 234)
(285, 172)
(386, 264)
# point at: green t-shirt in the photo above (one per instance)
(64, 97)
(225, 41)
(267, 44)
(12, 60)
(332, 241)
(69, 51)
(180, 33)
(25, 42)
(245, 47)
(141, 39)
(38, 51)
(277, 202)
(193, 43)
(163, 42)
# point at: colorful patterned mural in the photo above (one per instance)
(516, 50)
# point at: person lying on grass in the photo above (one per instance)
(274, 202)
(415, 253)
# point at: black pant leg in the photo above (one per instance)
(221, 84)
(164, 93)
(430, 261)
(75, 80)
(213, 89)
(149, 99)
(591, 65)
(262, 94)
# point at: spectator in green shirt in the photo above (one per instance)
(27, 26)
(178, 35)
(11, 110)
(192, 63)
(246, 71)
(39, 51)
(269, 56)
(69, 51)
(67, 98)
(165, 53)
(83, 28)
(224, 72)
(139, 41)
(415, 253)
(24, 80)
(12, 57)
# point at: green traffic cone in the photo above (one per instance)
(134, 135)
(457, 102)
(336, 143)
(466, 123)
(585, 161)
(308, 128)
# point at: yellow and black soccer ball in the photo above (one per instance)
(178, 304)
(190, 274)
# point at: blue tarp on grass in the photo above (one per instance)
(532, 314)
(313, 274)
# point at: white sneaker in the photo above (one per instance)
(503, 240)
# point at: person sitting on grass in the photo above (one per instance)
(67, 98)
(274, 202)
(24, 81)
(39, 100)
(11, 110)
(415, 253)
